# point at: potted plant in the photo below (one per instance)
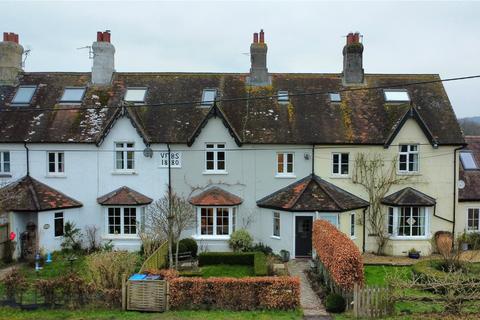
(285, 255)
(463, 241)
(413, 253)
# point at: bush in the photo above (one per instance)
(431, 270)
(167, 274)
(339, 255)
(260, 267)
(335, 303)
(188, 245)
(240, 258)
(107, 268)
(15, 284)
(281, 293)
(240, 241)
(473, 240)
(71, 238)
(260, 247)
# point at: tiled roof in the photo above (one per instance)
(124, 196)
(471, 191)
(409, 197)
(363, 116)
(312, 194)
(30, 195)
(215, 197)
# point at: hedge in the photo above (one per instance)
(428, 270)
(251, 293)
(339, 255)
(255, 259)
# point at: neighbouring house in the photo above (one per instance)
(268, 152)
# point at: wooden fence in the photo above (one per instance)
(145, 295)
(371, 302)
(157, 260)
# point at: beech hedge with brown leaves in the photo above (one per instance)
(338, 254)
(251, 293)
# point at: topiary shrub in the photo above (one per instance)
(231, 258)
(240, 241)
(260, 267)
(260, 247)
(188, 245)
(335, 303)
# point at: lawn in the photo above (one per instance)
(224, 270)
(14, 314)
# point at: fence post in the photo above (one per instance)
(124, 292)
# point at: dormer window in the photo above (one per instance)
(208, 97)
(468, 161)
(73, 95)
(135, 95)
(282, 97)
(24, 95)
(396, 95)
(335, 97)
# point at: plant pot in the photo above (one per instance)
(464, 246)
(414, 255)
(285, 255)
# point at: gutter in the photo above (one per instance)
(28, 160)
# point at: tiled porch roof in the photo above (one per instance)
(409, 197)
(124, 196)
(312, 194)
(215, 197)
(30, 195)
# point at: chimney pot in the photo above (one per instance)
(255, 37)
(103, 59)
(99, 36)
(258, 57)
(262, 36)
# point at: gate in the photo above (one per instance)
(371, 302)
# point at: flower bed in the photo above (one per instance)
(251, 293)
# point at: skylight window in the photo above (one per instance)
(208, 97)
(399, 95)
(335, 97)
(468, 161)
(135, 95)
(73, 95)
(24, 95)
(282, 96)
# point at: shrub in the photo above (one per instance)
(46, 288)
(167, 274)
(240, 241)
(9, 248)
(431, 270)
(282, 293)
(260, 267)
(15, 284)
(335, 303)
(473, 240)
(240, 258)
(107, 268)
(338, 254)
(260, 247)
(188, 245)
(71, 238)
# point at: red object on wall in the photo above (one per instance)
(12, 236)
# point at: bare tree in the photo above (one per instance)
(376, 176)
(91, 232)
(183, 219)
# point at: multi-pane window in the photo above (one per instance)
(216, 221)
(124, 156)
(58, 224)
(4, 161)
(276, 224)
(352, 224)
(340, 164)
(122, 221)
(473, 219)
(408, 158)
(215, 157)
(56, 162)
(24, 95)
(284, 164)
(407, 221)
(72, 95)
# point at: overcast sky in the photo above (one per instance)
(399, 37)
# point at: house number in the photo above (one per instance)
(175, 159)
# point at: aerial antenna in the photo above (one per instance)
(90, 52)
(26, 53)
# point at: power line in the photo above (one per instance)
(264, 97)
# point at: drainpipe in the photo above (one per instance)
(313, 159)
(169, 174)
(28, 160)
(364, 229)
(455, 187)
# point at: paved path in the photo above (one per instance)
(313, 308)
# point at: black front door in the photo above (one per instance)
(303, 236)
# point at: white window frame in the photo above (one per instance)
(56, 172)
(407, 154)
(145, 91)
(340, 163)
(72, 101)
(332, 97)
(232, 217)
(324, 216)
(285, 173)
(467, 220)
(386, 92)
(2, 162)
(215, 151)
(353, 229)
(395, 226)
(20, 104)
(125, 150)
(138, 217)
(276, 218)
(208, 103)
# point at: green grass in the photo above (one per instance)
(375, 275)
(14, 314)
(224, 270)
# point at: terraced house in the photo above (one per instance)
(269, 152)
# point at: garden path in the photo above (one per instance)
(312, 306)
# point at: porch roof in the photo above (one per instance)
(215, 196)
(124, 196)
(30, 195)
(312, 194)
(409, 197)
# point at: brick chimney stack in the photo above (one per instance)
(353, 60)
(103, 59)
(10, 58)
(258, 58)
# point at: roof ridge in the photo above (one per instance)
(327, 192)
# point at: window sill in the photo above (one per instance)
(353, 237)
(5, 175)
(119, 173)
(214, 172)
(412, 238)
(55, 175)
(285, 176)
(400, 173)
(205, 237)
(275, 237)
(120, 237)
(340, 176)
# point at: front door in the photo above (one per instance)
(303, 236)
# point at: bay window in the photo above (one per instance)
(122, 221)
(216, 221)
(408, 221)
